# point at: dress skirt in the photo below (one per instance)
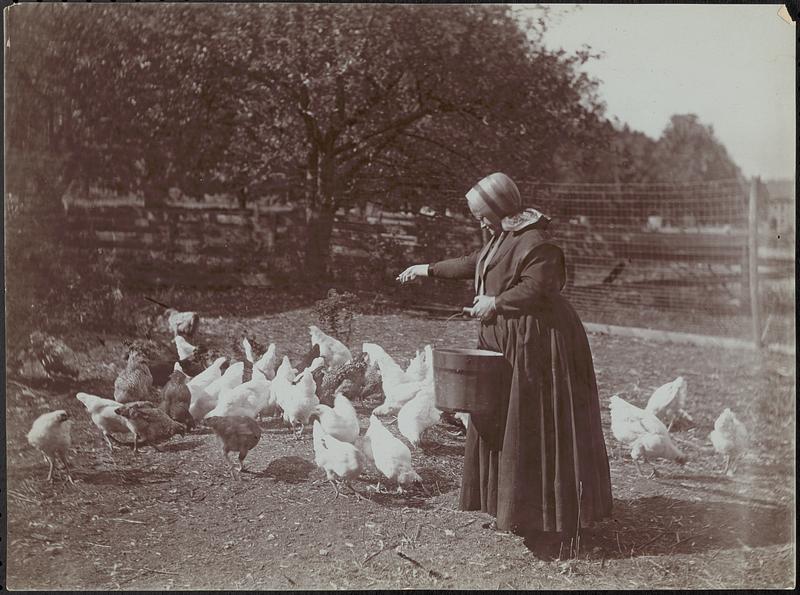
(541, 464)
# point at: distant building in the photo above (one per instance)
(780, 208)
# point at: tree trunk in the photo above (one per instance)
(318, 243)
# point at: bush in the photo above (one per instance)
(335, 314)
(53, 287)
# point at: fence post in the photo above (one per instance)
(752, 251)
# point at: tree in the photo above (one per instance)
(397, 99)
(688, 151)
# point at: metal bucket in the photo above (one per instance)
(475, 381)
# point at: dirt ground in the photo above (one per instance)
(175, 520)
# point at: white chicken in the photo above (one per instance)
(298, 401)
(730, 439)
(247, 399)
(248, 350)
(420, 413)
(333, 351)
(267, 363)
(339, 459)
(50, 433)
(376, 353)
(281, 383)
(396, 389)
(182, 323)
(205, 400)
(340, 421)
(668, 401)
(417, 368)
(185, 349)
(391, 457)
(643, 432)
(207, 376)
(104, 416)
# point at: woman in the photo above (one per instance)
(548, 466)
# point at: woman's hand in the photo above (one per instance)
(483, 307)
(412, 272)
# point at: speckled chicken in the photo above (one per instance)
(176, 398)
(57, 359)
(50, 433)
(347, 379)
(236, 434)
(150, 424)
(135, 382)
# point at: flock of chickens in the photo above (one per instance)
(649, 438)
(230, 398)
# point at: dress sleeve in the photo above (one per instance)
(541, 275)
(462, 267)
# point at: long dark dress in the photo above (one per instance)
(548, 465)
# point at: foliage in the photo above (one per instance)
(346, 100)
(335, 313)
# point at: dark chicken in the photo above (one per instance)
(237, 433)
(176, 399)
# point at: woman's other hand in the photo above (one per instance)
(412, 272)
(483, 307)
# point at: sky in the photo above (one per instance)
(731, 65)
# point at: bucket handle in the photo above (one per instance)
(465, 312)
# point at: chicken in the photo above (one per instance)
(134, 383)
(233, 376)
(176, 398)
(184, 324)
(150, 424)
(418, 414)
(202, 402)
(207, 376)
(729, 439)
(643, 431)
(341, 421)
(247, 399)
(333, 351)
(282, 382)
(340, 460)
(161, 369)
(185, 349)
(396, 389)
(417, 369)
(376, 353)
(267, 363)
(347, 378)
(236, 434)
(391, 457)
(309, 357)
(655, 446)
(57, 359)
(104, 416)
(668, 401)
(298, 401)
(50, 433)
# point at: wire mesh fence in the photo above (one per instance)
(662, 256)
